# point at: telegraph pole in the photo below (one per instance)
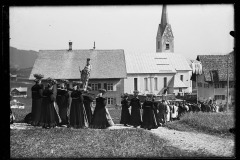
(227, 83)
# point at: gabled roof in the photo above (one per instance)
(155, 63)
(176, 83)
(217, 63)
(20, 89)
(64, 64)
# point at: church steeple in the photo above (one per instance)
(164, 39)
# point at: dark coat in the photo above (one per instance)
(135, 119)
(99, 119)
(78, 117)
(148, 117)
(37, 96)
(62, 102)
(49, 116)
(125, 115)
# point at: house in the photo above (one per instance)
(108, 69)
(162, 71)
(19, 92)
(213, 82)
(157, 72)
(13, 77)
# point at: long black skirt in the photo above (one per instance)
(149, 119)
(49, 117)
(125, 116)
(78, 117)
(36, 112)
(99, 120)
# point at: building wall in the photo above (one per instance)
(186, 79)
(129, 82)
(204, 92)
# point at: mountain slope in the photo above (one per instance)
(22, 58)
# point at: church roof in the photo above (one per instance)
(64, 64)
(176, 83)
(155, 63)
(218, 64)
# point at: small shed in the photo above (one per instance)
(19, 92)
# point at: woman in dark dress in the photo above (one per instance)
(49, 117)
(99, 119)
(125, 115)
(62, 102)
(78, 117)
(148, 117)
(37, 93)
(135, 119)
(87, 101)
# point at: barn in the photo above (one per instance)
(108, 69)
(19, 92)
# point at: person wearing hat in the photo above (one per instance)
(156, 109)
(78, 117)
(88, 102)
(37, 91)
(148, 118)
(135, 119)
(49, 117)
(125, 115)
(62, 102)
(99, 119)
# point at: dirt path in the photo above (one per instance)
(190, 141)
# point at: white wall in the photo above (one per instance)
(186, 79)
(129, 82)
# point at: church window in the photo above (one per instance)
(155, 86)
(158, 45)
(167, 46)
(180, 89)
(165, 82)
(135, 84)
(146, 84)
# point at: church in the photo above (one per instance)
(159, 72)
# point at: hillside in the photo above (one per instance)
(22, 59)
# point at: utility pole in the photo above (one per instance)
(228, 83)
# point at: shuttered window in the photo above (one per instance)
(110, 100)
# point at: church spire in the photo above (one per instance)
(164, 19)
(164, 39)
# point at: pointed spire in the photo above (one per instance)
(164, 19)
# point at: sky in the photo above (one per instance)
(197, 29)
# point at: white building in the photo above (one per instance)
(156, 72)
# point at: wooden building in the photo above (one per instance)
(108, 69)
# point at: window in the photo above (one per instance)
(219, 97)
(180, 89)
(135, 84)
(167, 46)
(146, 84)
(110, 87)
(158, 45)
(94, 86)
(155, 82)
(206, 85)
(165, 82)
(219, 85)
(199, 84)
(109, 100)
(181, 77)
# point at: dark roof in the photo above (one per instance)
(217, 65)
(64, 64)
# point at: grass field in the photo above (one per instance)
(91, 143)
(211, 123)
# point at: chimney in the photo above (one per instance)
(70, 46)
(94, 45)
